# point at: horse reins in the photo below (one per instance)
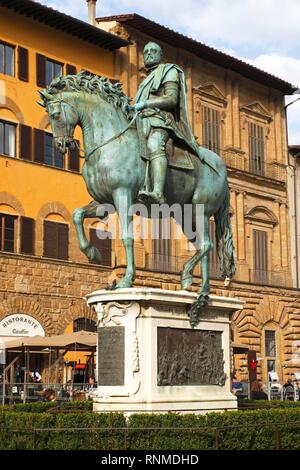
(86, 156)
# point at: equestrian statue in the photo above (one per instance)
(146, 153)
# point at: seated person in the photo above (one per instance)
(257, 392)
(237, 387)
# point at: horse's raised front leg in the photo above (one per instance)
(88, 211)
(123, 200)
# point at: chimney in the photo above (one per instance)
(92, 11)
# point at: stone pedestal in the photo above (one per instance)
(150, 360)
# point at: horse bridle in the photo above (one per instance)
(86, 155)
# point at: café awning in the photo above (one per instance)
(81, 340)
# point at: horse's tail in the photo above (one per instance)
(224, 238)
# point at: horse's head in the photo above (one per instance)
(63, 118)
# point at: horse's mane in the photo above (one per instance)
(86, 81)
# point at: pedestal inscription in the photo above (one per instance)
(111, 355)
(190, 357)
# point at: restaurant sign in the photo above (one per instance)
(17, 325)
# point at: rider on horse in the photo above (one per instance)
(161, 98)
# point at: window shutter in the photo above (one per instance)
(27, 235)
(260, 239)
(50, 239)
(23, 70)
(25, 142)
(39, 146)
(104, 246)
(74, 158)
(71, 69)
(211, 129)
(40, 70)
(63, 241)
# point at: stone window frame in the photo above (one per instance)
(259, 218)
(255, 113)
(209, 95)
(272, 326)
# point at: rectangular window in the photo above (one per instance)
(211, 130)
(46, 70)
(56, 240)
(7, 59)
(8, 233)
(256, 149)
(270, 343)
(53, 70)
(160, 259)
(260, 251)
(52, 156)
(7, 139)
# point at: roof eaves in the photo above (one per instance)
(64, 22)
(207, 52)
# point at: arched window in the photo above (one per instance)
(84, 324)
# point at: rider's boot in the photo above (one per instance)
(158, 170)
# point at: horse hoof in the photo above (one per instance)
(186, 282)
(123, 284)
(112, 285)
(195, 310)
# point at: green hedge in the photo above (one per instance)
(17, 431)
(237, 430)
(248, 404)
(42, 407)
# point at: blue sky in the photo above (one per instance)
(265, 33)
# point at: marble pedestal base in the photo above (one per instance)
(150, 360)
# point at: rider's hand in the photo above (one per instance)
(137, 106)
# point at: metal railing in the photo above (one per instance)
(270, 436)
(276, 171)
(34, 392)
(174, 264)
(269, 278)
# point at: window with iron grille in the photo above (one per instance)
(211, 130)
(84, 324)
(270, 343)
(8, 233)
(7, 139)
(256, 149)
(7, 59)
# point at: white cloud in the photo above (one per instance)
(287, 68)
(268, 25)
(264, 33)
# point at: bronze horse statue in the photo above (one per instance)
(114, 172)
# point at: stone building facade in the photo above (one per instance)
(43, 275)
(234, 107)
(238, 111)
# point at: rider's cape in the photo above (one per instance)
(178, 122)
